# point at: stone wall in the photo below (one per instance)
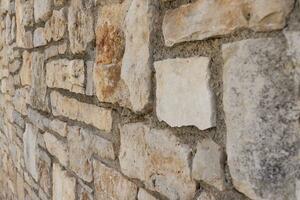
(149, 99)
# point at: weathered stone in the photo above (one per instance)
(80, 25)
(7, 86)
(38, 93)
(56, 26)
(110, 184)
(21, 99)
(64, 186)
(57, 148)
(25, 72)
(143, 195)
(24, 17)
(183, 94)
(206, 196)
(55, 50)
(208, 164)
(59, 2)
(66, 74)
(38, 120)
(261, 103)
(82, 142)
(158, 159)
(10, 33)
(14, 66)
(90, 88)
(44, 169)
(30, 150)
(84, 191)
(42, 10)
(199, 20)
(293, 41)
(59, 127)
(99, 117)
(39, 37)
(136, 63)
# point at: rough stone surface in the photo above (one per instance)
(63, 185)
(25, 72)
(30, 147)
(199, 20)
(262, 112)
(206, 196)
(208, 164)
(183, 93)
(57, 148)
(144, 195)
(39, 37)
(42, 10)
(63, 106)
(80, 25)
(158, 159)
(110, 184)
(66, 74)
(56, 26)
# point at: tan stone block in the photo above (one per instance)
(25, 72)
(56, 26)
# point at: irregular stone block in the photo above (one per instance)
(10, 31)
(21, 99)
(208, 164)
(25, 72)
(56, 26)
(261, 103)
(55, 50)
(39, 37)
(30, 150)
(44, 168)
(82, 142)
(57, 148)
(90, 88)
(42, 10)
(184, 96)
(59, 127)
(110, 184)
(144, 195)
(158, 159)
(199, 20)
(80, 25)
(66, 74)
(84, 191)
(99, 117)
(64, 186)
(38, 93)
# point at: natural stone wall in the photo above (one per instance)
(149, 99)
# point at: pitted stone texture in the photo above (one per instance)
(99, 117)
(64, 186)
(25, 72)
(137, 60)
(144, 195)
(84, 143)
(20, 100)
(44, 168)
(110, 46)
(56, 26)
(261, 103)
(30, 150)
(38, 93)
(110, 184)
(183, 94)
(158, 159)
(24, 17)
(66, 74)
(199, 20)
(57, 148)
(55, 50)
(208, 164)
(42, 10)
(293, 41)
(80, 25)
(39, 37)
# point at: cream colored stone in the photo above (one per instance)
(90, 87)
(66, 74)
(99, 117)
(39, 37)
(57, 148)
(64, 186)
(38, 93)
(199, 20)
(136, 63)
(20, 100)
(56, 26)
(206, 196)
(110, 184)
(25, 72)
(59, 127)
(10, 31)
(55, 50)
(208, 164)
(80, 25)
(158, 159)
(44, 168)
(144, 195)
(184, 96)
(42, 10)
(84, 192)
(30, 150)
